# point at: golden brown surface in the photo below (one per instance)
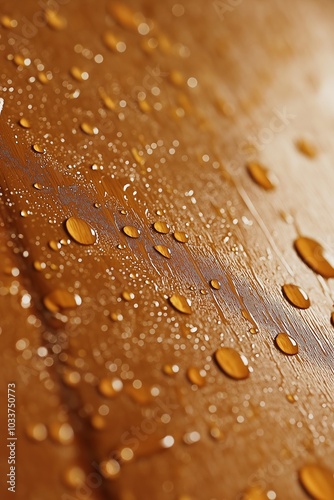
(165, 169)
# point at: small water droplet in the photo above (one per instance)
(43, 77)
(180, 303)
(232, 363)
(8, 22)
(296, 296)
(181, 237)
(74, 477)
(78, 74)
(306, 148)
(255, 493)
(286, 344)
(318, 481)
(24, 123)
(60, 299)
(38, 149)
(215, 284)
(123, 15)
(131, 231)
(61, 432)
(37, 432)
(314, 255)
(110, 387)
(54, 245)
(191, 437)
(110, 469)
(161, 227)
(291, 398)
(55, 20)
(116, 316)
(163, 250)
(39, 266)
(138, 158)
(128, 296)
(38, 186)
(24, 213)
(171, 370)
(195, 377)
(80, 231)
(89, 129)
(262, 176)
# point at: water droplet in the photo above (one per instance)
(110, 469)
(191, 437)
(138, 158)
(110, 387)
(161, 227)
(128, 296)
(107, 100)
(255, 493)
(215, 284)
(71, 378)
(60, 299)
(24, 213)
(180, 303)
(61, 432)
(24, 123)
(43, 78)
(170, 370)
(296, 296)
(19, 60)
(39, 266)
(262, 176)
(306, 148)
(318, 481)
(110, 40)
(291, 398)
(123, 15)
(163, 250)
(38, 186)
(286, 344)
(314, 255)
(78, 74)
(195, 377)
(98, 422)
(74, 477)
(55, 20)
(89, 129)
(8, 22)
(54, 245)
(116, 316)
(37, 432)
(232, 363)
(80, 231)
(167, 442)
(38, 149)
(131, 231)
(181, 237)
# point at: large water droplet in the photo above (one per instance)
(60, 299)
(55, 20)
(286, 344)
(296, 296)
(123, 15)
(262, 176)
(163, 250)
(24, 123)
(195, 377)
(314, 255)
(80, 231)
(232, 363)
(109, 388)
(180, 303)
(215, 284)
(181, 237)
(161, 227)
(318, 481)
(131, 231)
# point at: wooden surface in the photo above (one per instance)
(265, 79)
